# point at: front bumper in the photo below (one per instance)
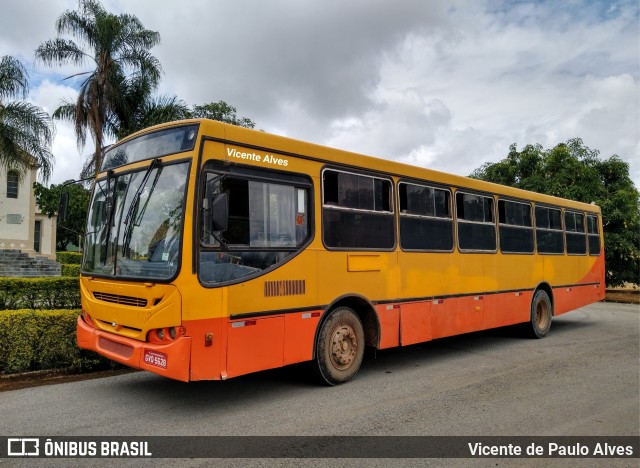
(131, 352)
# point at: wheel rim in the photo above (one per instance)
(344, 347)
(542, 315)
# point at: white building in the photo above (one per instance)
(22, 226)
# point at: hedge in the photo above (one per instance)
(52, 292)
(44, 339)
(69, 258)
(71, 270)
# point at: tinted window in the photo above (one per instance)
(549, 236)
(576, 237)
(476, 226)
(594, 235)
(357, 211)
(474, 208)
(151, 145)
(425, 218)
(514, 213)
(516, 230)
(424, 201)
(346, 190)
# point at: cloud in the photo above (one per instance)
(69, 161)
(444, 84)
(270, 57)
(402, 123)
(26, 23)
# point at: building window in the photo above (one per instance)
(37, 236)
(13, 179)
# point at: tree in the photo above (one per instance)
(572, 170)
(26, 131)
(48, 199)
(147, 110)
(118, 47)
(222, 112)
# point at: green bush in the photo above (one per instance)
(53, 292)
(69, 258)
(71, 270)
(44, 339)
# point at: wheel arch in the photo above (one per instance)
(365, 311)
(546, 287)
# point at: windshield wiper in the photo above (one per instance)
(132, 219)
(111, 201)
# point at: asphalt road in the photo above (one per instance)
(583, 379)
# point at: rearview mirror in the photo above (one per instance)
(219, 212)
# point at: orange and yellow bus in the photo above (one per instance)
(213, 251)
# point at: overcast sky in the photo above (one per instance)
(442, 84)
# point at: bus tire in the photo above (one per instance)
(340, 347)
(541, 314)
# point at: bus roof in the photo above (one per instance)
(261, 140)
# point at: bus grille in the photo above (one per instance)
(284, 288)
(117, 299)
(116, 348)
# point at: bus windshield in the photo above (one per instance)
(135, 223)
(160, 143)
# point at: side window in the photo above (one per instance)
(13, 181)
(593, 234)
(267, 223)
(476, 225)
(515, 227)
(549, 237)
(357, 211)
(425, 218)
(576, 238)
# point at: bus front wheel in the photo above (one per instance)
(340, 347)
(541, 313)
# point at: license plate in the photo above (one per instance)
(155, 358)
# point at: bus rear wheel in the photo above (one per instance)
(541, 313)
(340, 347)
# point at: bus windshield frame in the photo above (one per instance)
(163, 142)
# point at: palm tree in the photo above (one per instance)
(117, 46)
(141, 109)
(26, 131)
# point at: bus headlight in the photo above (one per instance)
(165, 335)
